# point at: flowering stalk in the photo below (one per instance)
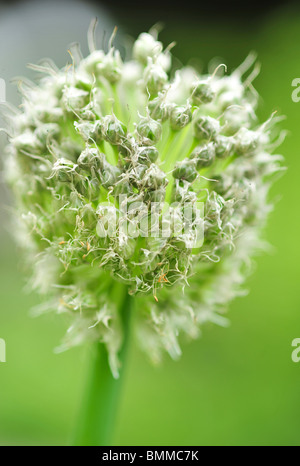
(133, 177)
(101, 402)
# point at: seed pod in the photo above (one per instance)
(127, 148)
(182, 193)
(180, 117)
(155, 78)
(202, 92)
(90, 130)
(137, 175)
(204, 156)
(247, 142)
(65, 170)
(221, 183)
(114, 131)
(74, 99)
(28, 141)
(185, 170)
(206, 128)
(156, 195)
(148, 154)
(154, 177)
(224, 146)
(122, 188)
(46, 132)
(89, 158)
(158, 108)
(108, 174)
(149, 131)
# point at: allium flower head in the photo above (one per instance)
(132, 177)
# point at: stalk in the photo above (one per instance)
(101, 402)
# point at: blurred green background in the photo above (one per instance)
(235, 386)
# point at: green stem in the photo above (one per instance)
(118, 108)
(100, 406)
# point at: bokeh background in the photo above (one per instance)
(235, 386)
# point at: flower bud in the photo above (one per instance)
(146, 46)
(110, 66)
(132, 72)
(89, 64)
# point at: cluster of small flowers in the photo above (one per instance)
(102, 128)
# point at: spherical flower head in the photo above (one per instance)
(131, 179)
